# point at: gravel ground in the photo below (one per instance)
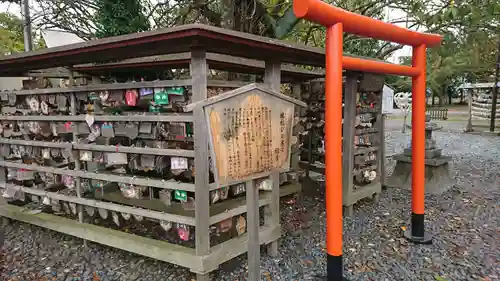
(464, 222)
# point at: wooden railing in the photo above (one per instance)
(438, 113)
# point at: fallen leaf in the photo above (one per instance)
(307, 262)
(439, 278)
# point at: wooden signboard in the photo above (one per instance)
(250, 132)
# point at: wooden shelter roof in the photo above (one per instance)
(173, 40)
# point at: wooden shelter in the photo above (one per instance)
(196, 47)
(480, 105)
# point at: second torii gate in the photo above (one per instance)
(338, 21)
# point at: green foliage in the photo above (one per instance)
(119, 17)
(11, 34)
(272, 18)
(468, 50)
(285, 24)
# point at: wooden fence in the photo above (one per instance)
(438, 113)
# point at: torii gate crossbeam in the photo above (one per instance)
(338, 21)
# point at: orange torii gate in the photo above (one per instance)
(338, 21)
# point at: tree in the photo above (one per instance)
(468, 49)
(11, 34)
(271, 18)
(275, 18)
(119, 17)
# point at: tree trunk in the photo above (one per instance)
(469, 119)
(237, 19)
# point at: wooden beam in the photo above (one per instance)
(272, 78)
(102, 148)
(173, 217)
(142, 181)
(136, 150)
(215, 61)
(348, 151)
(48, 144)
(253, 245)
(102, 87)
(295, 154)
(164, 117)
(198, 69)
(76, 156)
(381, 150)
(237, 246)
(226, 84)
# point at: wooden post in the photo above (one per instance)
(252, 196)
(198, 69)
(310, 138)
(96, 80)
(294, 163)
(351, 90)
(381, 156)
(76, 155)
(380, 151)
(272, 212)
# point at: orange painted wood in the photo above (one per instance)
(333, 135)
(328, 15)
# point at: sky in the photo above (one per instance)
(393, 14)
(406, 51)
(11, 8)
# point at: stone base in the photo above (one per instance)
(427, 239)
(438, 161)
(437, 174)
(493, 134)
(429, 153)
